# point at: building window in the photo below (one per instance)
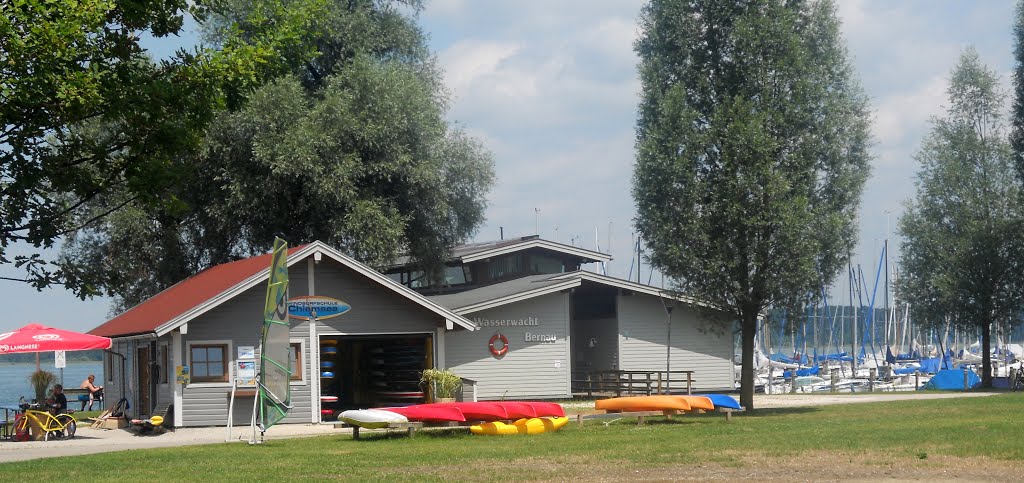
(505, 266)
(295, 360)
(208, 362)
(545, 264)
(456, 275)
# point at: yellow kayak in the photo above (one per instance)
(494, 428)
(522, 426)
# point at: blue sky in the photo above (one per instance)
(551, 88)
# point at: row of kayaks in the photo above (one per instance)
(521, 426)
(706, 402)
(533, 417)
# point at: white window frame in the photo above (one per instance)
(300, 361)
(230, 356)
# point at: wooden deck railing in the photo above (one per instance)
(632, 383)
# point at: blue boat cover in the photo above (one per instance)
(723, 401)
(930, 365)
(904, 370)
(838, 356)
(810, 371)
(952, 380)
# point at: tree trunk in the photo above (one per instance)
(986, 355)
(748, 330)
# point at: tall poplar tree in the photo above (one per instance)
(1017, 113)
(752, 151)
(962, 255)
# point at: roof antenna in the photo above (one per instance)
(501, 233)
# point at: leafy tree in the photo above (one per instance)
(1017, 111)
(349, 146)
(63, 63)
(752, 151)
(963, 235)
(87, 115)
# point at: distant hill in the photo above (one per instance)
(47, 357)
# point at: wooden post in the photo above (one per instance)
(648, 383)
(792, 383)
(659, 382)
(355, 432)
(917, 380)
(835, 379)
(629, 389)
(590, 384)
(872, 374)
(965, 378)
(689, 383)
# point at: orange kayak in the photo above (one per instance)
(698, 402)
(643, 403)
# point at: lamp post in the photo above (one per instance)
(668, 350)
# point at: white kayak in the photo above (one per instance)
(371, 418)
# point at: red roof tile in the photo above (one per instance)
(184, 296)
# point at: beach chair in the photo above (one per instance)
(116, 411)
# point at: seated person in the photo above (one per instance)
(95, 392)
(60, 401)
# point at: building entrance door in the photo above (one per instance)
(142, 362)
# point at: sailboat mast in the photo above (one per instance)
(885, 250)
(853, 325)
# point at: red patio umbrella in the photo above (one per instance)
(39, 338)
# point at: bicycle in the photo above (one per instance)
(1018, 379)
(55, 426)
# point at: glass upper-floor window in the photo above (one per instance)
(451, 276)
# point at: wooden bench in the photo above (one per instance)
(728, 412)
(641, 415)
(77, 394)
(410, 427)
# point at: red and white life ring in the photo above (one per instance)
(496, 352)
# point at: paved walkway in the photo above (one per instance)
(91, 441)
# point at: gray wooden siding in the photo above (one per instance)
(643, 335)
(528, 369)
(375, 309)
(240, 321)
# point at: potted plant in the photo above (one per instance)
(443, 382)
(41, 381)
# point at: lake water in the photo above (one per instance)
(14, 378)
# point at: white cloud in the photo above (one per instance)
(553, 86)
(467, 62)
(901, 116)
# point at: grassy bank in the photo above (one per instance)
(953, 438)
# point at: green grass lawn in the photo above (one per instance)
(981, 437)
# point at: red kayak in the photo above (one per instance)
(547, 409)
(518, 410)
(429, 413)
(478, 411)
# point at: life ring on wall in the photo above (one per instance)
(496, 352)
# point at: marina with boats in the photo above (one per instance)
(863, 347)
